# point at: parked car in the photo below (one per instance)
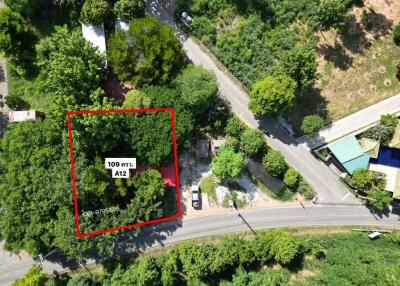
(196, 196)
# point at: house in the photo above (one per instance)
(95, 35)
(348, 155)
(121, 25)
(20, 116)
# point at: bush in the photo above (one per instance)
(235, 127)
(94, 11)
(291, 178)
(274, 163)
(396, 35)
(305, 189)
(130, 9)
(16, 103)
(227, 164)
(362, 179)
(312, 124)
(251, 141)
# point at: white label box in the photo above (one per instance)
(120, 166)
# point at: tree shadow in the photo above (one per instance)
(376, 23)
(309, 102)
(336, 55)
(353, 36)
(125, 244)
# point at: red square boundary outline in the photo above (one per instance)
(73, 179)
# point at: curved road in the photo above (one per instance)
(330, 191)
(320, 177)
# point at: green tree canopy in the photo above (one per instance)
(330, 14)
(380, 199)
(312, 124)
(149, 53)
(235, 127)
(227, 164)
(291, 178)
(150, 137)
(363, 179)
(252, 141)
(136, 99)
(34, 277)
(300, 64)
(95, 11)
(284, 246)
(129, 9)
(273, 95)
(16, 40)
(274, 163)
(198, 88)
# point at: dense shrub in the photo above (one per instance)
(274, 163)
(94, 11)
(235, 127)
(291, 178)
(312, 124)
(252, 141)
(273, 95)
(129, 9)
(16, 103)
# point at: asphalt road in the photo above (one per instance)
(317, 174)
(162, 234)
(322, 179)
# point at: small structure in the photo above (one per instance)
(20, 116)
(370, 147)
(121, 25)
(348, 154)
(95, 35)
(216, 145)
(395, 142)
(374, 235)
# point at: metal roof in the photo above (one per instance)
(350, 154)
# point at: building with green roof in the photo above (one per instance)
(349, 154)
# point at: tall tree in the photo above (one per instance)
(95, 11)
(227, 164)
(273, 95)
(198, 88)
(252, 141)
(274, 163)
(16, 40)
(149, 53)
(300, 64)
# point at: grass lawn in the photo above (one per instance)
(208, 186)
(357, 68)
